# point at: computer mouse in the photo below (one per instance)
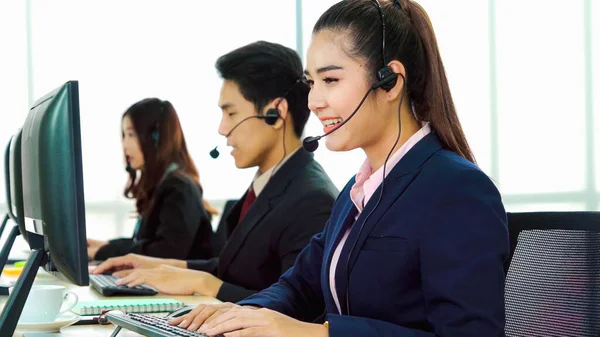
(181, 311)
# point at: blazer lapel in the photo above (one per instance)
(256, 212)
(232, 217)
(270, 195)
(397, 181)
(343, 224)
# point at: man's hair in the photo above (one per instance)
(265, 71)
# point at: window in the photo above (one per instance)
(145, 49)
(524, 83)
(464, 47)
(13, 77)
(541, 97)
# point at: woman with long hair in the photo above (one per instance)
(173, 218)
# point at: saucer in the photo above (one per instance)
(54, 326)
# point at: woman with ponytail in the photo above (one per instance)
(416, 242)
(173, 219)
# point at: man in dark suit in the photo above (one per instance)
(265, 109)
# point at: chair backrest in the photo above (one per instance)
(553, 278)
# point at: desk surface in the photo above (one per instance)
(88, 294)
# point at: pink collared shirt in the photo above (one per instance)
(365, 185)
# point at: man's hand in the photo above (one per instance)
(134, 261)
(173, 281)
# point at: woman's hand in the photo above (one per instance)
(202, 314)
(93, 246)
(245, 322)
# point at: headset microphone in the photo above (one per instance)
(270, 118)
(310, 144)
(214, 153)
(128, 168)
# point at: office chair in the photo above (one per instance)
(553, 274)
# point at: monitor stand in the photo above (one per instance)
(4, 254)
(16, 301)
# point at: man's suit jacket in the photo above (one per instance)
(220, 236)
(428, 261)
(177, 227)
(293, 206)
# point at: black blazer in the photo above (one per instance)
(221, 235)
(177, 227)
(294, 205)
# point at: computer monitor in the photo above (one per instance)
(53, 201)
(14, 199)
(9, 215)
(52, 174)
(15, 183)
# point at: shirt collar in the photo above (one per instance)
(260, 180)
(367, 181)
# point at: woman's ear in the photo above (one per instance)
(396, 91)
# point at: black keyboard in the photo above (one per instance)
(105, 285)
(149, 325)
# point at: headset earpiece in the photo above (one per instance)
(270, 117)
(156, 135)
(386, 79)
(156, 132)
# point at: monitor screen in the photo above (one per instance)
(52, 182)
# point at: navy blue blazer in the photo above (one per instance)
(429, 261)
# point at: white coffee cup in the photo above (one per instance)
(46, 303)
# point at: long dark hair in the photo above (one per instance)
(411, 40)
(162, 142)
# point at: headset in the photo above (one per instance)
(156, 132)
(156, 135)
(270, 117)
